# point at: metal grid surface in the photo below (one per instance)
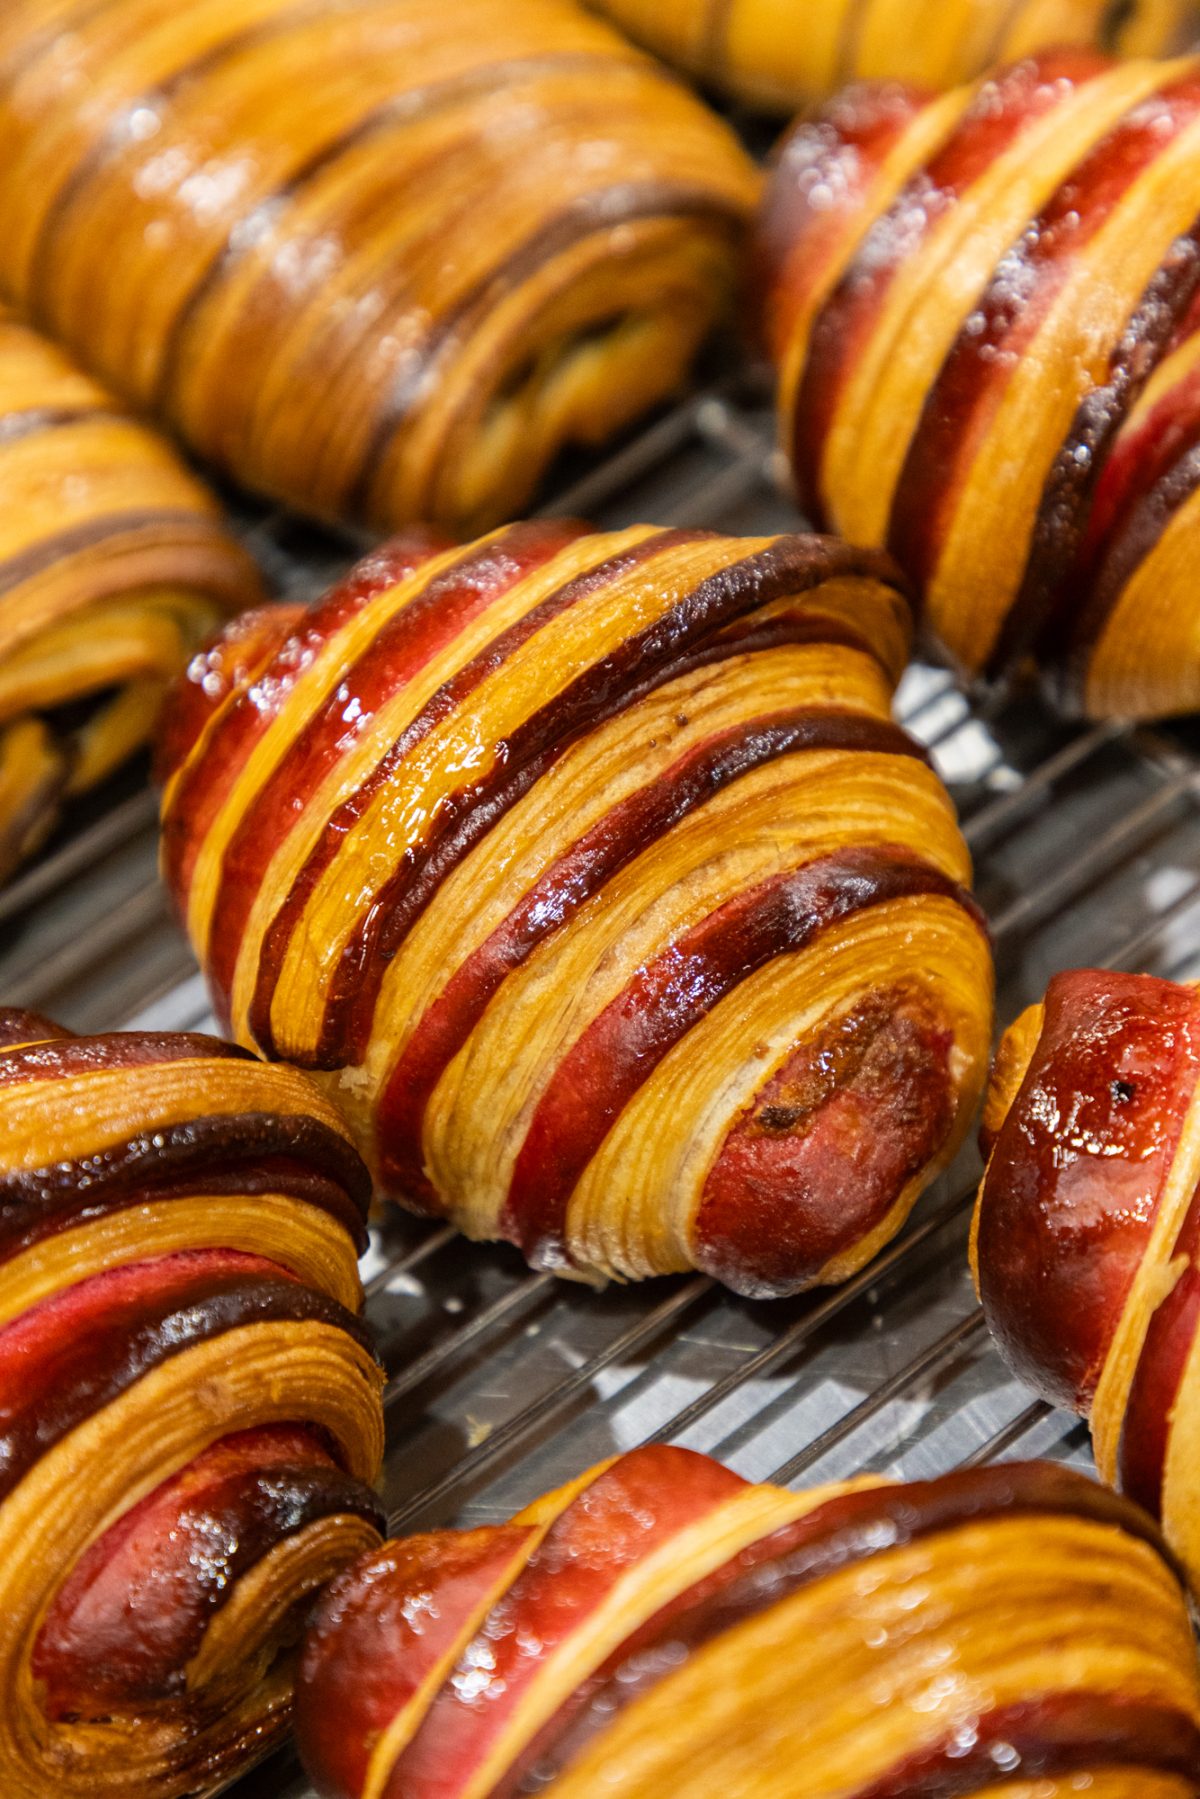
(503, 1383)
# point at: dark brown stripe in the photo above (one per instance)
(681, 639)
(65, 1054)
(122, 528)
(843, 1532)
(352, 995)
(106, 1359)
(117, 135)
(312, 1161)
(573, 878)
(401, 109)
(16, 425)
(592, 213)
(1095, 602)
(448, 698)
(667, 998)
(1035, 621)
(1051, 1736)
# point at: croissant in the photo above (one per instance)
(113, 566)
(771, 55)
(188, 1406)
(661, 1626)
(377, 258)
(984, 309)
(591, 875)
(1088, 1221)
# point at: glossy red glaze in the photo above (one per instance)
(1077, 1172)
(630, 1510)
(133, 1611)
(568, 883)
(20, 1026)
(847, 1529)
(818, 1160)
(204, 787)
(219, 670)
(406, 644)
(1145, 1431)
(824, 170)
(380, 1631)
(621, 1048)
(961, 405)
(1004, 107)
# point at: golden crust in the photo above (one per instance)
(184, 1387)
(623, 899)
(760, 52)
(113, 567)
(382, 261)
(662, 1626)
(982, 307)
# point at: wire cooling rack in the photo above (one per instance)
(503, 1383)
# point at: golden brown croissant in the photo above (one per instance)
(592, 872)
(660, 1626)
(378, 258)
(114, 565)
(984, 309)
(189, 1409)
(1088, 1226)
(776, 55)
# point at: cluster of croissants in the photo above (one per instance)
(576, 887)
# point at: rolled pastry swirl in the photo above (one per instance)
(774, 55)
(189, 1410)
(591, 873)
(1087, 1228)
(984, 308)
(661, 1626)
(114, 566)
(378, 258)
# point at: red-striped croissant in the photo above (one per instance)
(592, 873)
(188, 1406)
(114, 565)
(985, 308)
(382, 259)
(1087, 1230)
(660, 1626)
(777, 55)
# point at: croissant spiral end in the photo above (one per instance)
(590, 876)
(189, 1408)
(1087, 1226)
(660, 1625)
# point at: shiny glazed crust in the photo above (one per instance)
(1087, 1227)
(114, 565)
(189, 1409)
(771, 55)
(660, 1626)
(380, 259)
(983, 306)
(591, 876)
